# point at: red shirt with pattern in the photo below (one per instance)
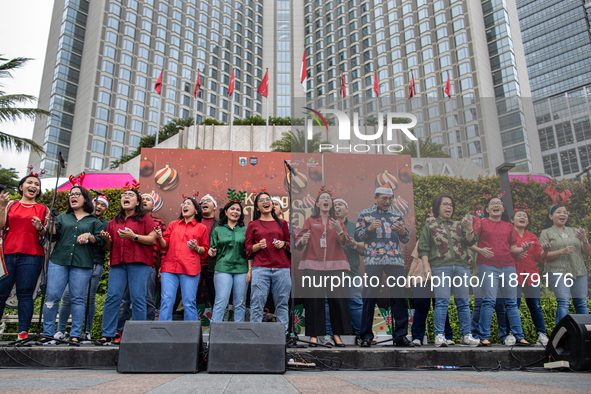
(21, 236)
(180, 259)
(499, 236)
(270, 257)
(127, 250)
(331, 256)
(533, 257)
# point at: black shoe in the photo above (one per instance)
(104, 341)
(74, 341)
(365, 342)
(404, 342)
(482, 344)
(340, 344)
(523, 344)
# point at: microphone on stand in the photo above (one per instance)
(62, 160)
(97, 192)
(289, 167)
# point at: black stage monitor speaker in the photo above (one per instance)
(571, 341)
(160, 347)
(246, 348)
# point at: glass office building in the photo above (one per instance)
(558, 53)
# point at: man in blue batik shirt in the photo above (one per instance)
(381, 228)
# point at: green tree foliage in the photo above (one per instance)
(295, 142)
(9, 178)
(212, 121)
(273, 121)
(10, 110)
(428, 149)
(149, 141)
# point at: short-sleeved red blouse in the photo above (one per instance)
(271, 257)
(21, 236)
(127, 250)
(499, 236)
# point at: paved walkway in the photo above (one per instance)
(109, 381)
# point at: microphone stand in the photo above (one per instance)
(292, 341)
(87, 308)
(585, 171)
(48, 237)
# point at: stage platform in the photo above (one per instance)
(380, 356)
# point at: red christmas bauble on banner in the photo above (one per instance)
(167, 178)
(158, 201)
(400, 205)
(308, 202)
(385, 179)
(299, 184)
(405, 174)
(146, 167)
(315, 173)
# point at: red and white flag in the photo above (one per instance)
(158, 86)
(231, 87)
(411, 91)
(376, 87)
(447, 89)
(263, 88)
(303, 73)
(197, 85)
(344, 90)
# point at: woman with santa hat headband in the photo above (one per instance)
(208, 206)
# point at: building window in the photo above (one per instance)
(568, 158)
(96, 163)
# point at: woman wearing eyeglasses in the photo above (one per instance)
(186, 241)
(323, 237)
(130, 237)
(443, 248)
(267, 249)
(71, 262)
(565, 262)
(22, 223)
(497, 244)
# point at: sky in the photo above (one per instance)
(28, 22)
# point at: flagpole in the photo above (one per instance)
(418, 139)
(267, 128)
(231, 119)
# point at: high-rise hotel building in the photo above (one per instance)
(104, 57)
(477, 44)
(557, 47)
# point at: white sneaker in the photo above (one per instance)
(59, 335)
(543, 339)
(417, 342)
(469, 340)
(449, 342)
(440, 341)
(510, 340)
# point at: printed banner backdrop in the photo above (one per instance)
(173, 172)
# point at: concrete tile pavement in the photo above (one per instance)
(109, 381)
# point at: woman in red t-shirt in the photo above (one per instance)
(269, 265)
(323, 237)
(130, 237)
(187, 243)
(496, 266)
(23, 222)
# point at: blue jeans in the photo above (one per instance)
(493, 288)
(22, 270)
(58, 276)
(397, 302)
(224, 282)
(169, 285)
(121, 275)
(125, 307)
(456, 276)
(502, 324)
(278, 281)
(563, 293)
(355, 308)
(65, 305)
(532, 299)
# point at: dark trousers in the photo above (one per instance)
(206, 280)
(314, 305)
(423, 297)
(397, 301)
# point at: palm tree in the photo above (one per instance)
(10, 112)
(295, 142)
(428, 149)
